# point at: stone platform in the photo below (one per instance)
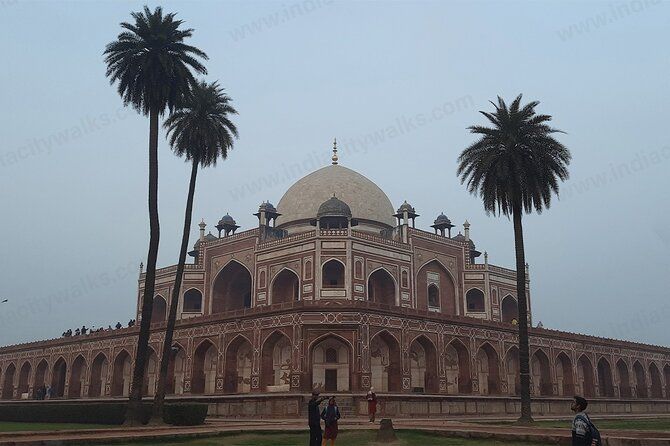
(410, 406)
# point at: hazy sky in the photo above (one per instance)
(397, 83)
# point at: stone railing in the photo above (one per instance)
(173, 269)
(333, 232)
(439, 238)
(290, 239)
(378, 239)
(240, 235)
(502, 271)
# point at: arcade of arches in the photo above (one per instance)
(329, 364)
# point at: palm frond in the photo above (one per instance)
(150, 63)
(201, 129)
(516, 162)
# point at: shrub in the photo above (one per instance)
(180, 414)
(185, 414)
(43, 412)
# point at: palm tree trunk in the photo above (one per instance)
(159, 399)
(133, 415)
(524, 353)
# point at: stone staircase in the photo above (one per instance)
(347, 407)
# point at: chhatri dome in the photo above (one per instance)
(368, 203)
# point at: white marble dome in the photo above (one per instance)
(368, 203)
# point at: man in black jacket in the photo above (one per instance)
(314, 419)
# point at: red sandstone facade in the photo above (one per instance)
(343, 301)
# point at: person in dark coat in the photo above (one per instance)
(330, 415)
(314, 419)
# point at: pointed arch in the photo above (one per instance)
(276, 362)
(58, 377)
(39, 380)
(239, 354)
(656, 383)
(640, 380)
(285, 287)
(605, 381)
(423, 365)
(458, 367)
(98, 379)
(433, 272)
(488, 369)
(385, 362)
(8, 382)
(541, 373)
(623, 376)
(585, 376)
(205, 360)
(192, 301)
(77, 378)
(666, 375)
(333, 273)
(121, 374)
(24, 379)
(475, 301)
(151, 366)
(326, 374)
(176, 370)
(565, 379)
(159, 311)
(509, 309)
(231, 288)
(512, 369)
(382, 287)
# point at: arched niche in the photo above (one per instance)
(381, 288)
(276, 363)
(231, 289)
(285, 287)
(434, 273)
(332, 274)
(331, 364)
(385, 363)
(423, 366)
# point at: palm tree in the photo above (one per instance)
(152, 66)
(201, 131)
(515, 167)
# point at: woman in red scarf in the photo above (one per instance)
(330, 415)
(372, 404)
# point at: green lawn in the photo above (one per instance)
(9, 426)
(347, 438)
(658, 424)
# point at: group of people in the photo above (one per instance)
(584, 432)
(330, 414)
(43, 392)
(84, 330)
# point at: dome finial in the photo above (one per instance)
(334, 157)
